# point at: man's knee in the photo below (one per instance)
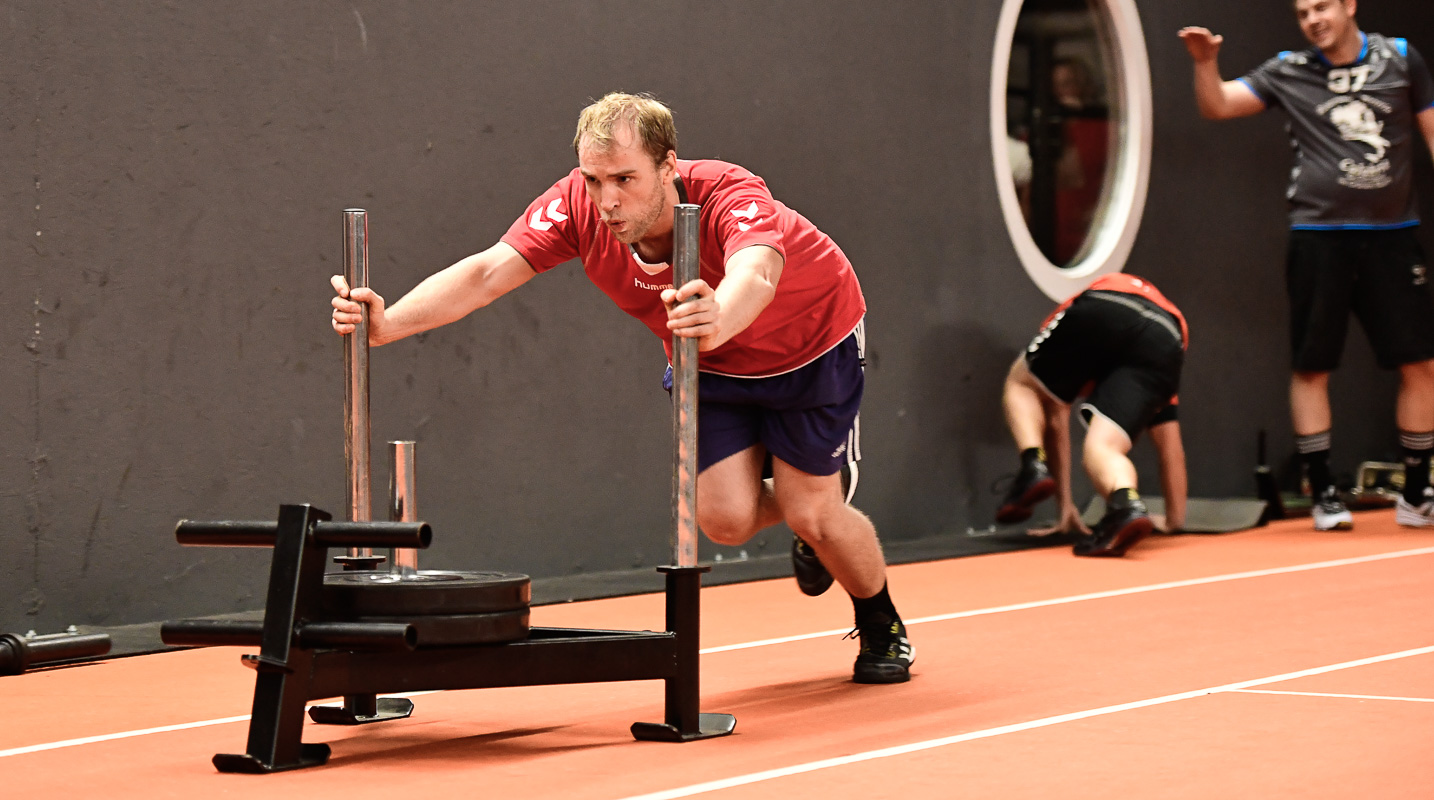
(727, 525)
(813, 518)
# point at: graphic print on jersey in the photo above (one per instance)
(1356, 121)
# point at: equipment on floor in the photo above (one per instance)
(363, 632)
(1267, 488)
(21, 652)
(1377, 484)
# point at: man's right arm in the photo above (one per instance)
(1216, 97)
(443, 297)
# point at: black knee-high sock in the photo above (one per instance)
(1417, 447)
(1314, 454)
(875, 608)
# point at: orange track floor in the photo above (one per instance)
(1273, 663)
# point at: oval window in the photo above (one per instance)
(1070, 132)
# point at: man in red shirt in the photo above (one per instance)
(777, 312)
(1121, 345)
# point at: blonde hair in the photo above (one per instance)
(649, 118)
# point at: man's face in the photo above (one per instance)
(1325, 22)
(629, 190)
(1066, 84)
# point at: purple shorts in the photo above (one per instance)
(806, 417)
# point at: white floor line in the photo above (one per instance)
(109, 737)
(1344, 696)
(823, 634)
(931, 744)
(1154, 587)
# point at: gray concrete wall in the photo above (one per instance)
(172, 176)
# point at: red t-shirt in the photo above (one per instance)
(818, 301)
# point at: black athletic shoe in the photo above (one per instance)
(886, 655)
(1031, 486)
(811, 573)
(1116, 532)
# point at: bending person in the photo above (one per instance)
(1121, 344)
(777, 313)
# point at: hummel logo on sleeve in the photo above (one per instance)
(537, 223)
(746, 213)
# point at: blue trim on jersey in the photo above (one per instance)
(1393, 226)
(1254, 92)
(1402, 46)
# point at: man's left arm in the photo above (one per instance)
(714, 316)
(1173, 482)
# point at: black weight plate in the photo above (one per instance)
(448, 630)
(364, 593)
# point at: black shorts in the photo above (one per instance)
(1127, 347)
(1380, 275)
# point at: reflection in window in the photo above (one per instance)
(1060, 135)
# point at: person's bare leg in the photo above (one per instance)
(1414, 408)
(1106, 460)
(1309, 402)
(843, 537)
(1415, 415)
(733, 502)
(1025, 411)
(1310, 412)
(1113, 475)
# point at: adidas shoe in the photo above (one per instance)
(1412, 516)
(886, 654)
(1031, 486)
(811, 574)
(1116, 532)
(1330, 513)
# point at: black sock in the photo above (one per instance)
(1120, 499)
(1031, 454)
(877, 608)
(1417, 447)
(1314, 454)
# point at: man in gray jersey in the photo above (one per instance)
(1358, 105)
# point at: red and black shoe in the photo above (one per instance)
(1116, 532)
(1032, 485)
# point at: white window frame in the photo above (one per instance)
(1118, 221)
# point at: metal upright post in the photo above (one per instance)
(684, 397)
(403, 505)
(682, 719)
(358, 491)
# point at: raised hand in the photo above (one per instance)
(1201, 44)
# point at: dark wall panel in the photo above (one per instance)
(166, 351)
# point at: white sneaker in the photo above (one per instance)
(1412, 516)
(1330, 514)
